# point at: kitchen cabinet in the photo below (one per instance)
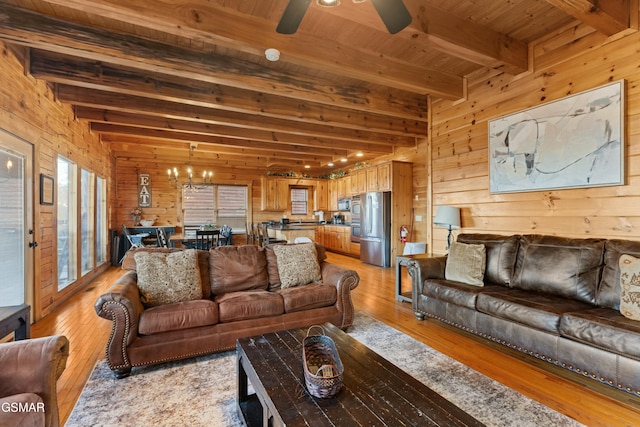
(321, 195)
(384, 176)
(337, 238)
(359, 182)
(333, 195)
(344, 187)
(275, 193)
(320, 235)
(372, 178)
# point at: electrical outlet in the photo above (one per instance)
(418, 218)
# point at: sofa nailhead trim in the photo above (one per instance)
(544, 357)
(127, 326)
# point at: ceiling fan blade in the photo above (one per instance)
(393, 13)
(292, 16)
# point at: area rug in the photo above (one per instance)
(201, 391)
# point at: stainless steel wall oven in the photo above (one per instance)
(356, 217)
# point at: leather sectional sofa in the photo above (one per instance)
(554, 298)
(242, 296)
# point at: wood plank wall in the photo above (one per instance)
(571, 61)
(29, 110)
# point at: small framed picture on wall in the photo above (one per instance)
(46, 189)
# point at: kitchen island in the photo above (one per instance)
(290, 231)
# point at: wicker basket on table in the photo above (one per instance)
(322, 365)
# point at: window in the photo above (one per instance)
(87, 229)
(299, 201)
(215, 204)
(101, 221)
(67, 223)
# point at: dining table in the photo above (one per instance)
(189, 238)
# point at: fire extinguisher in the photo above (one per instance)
(403, 233)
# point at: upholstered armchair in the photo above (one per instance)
(29, 370)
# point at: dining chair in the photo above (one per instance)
(134, 241)
(207, 239)
(161, 235)
(249, 232)
(226, 234)
(266, 240)
(257, 235)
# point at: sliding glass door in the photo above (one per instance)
(16, 221)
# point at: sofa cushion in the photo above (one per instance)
(454, 292)
(181, 315)
(165, 278)
(630, 287)
(237, 268)
(272, 264)
(245, 305)
(297, 264)
(313, 295)
(129, 263)
(609, 288)
(561, 266)
(604, 328)
(466, 263)
(533, 309)
(501, 253)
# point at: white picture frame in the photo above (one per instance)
(576, 141)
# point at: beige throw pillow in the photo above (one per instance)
(466, 263)
(297, 264)
(630, 287)
(165, 278)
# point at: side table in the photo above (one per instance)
(16, 319)
(402, 260)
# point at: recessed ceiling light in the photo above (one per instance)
(272, 54)
(328, 3)
(330, 164)
(343, 160)
(307, 167)
(359, 155)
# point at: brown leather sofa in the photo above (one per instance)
(554, 298)
(229, 309)
(29, 371)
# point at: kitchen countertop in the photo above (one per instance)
(302, 225)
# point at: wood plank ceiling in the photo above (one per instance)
(158, 76)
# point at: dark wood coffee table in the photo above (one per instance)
(375, 392)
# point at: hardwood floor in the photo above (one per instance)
(591, 404)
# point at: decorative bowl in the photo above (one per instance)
(146, 222)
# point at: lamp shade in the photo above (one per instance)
(447, 216)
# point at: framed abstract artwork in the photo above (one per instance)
(576, 141)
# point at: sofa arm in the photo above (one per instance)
(34, 366)
(421, 269)
(345, 281)
(121, 304)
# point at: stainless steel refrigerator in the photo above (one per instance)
(375, 241)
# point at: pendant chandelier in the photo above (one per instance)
(207, 176)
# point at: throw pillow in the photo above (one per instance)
(165, 278)
(297, 264)
(630, 287)
(466, 263)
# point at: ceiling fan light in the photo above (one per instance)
(328, 3)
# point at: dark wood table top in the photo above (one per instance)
(374, 392)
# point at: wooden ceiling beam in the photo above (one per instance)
(464, 39)
(290, 151)
(608, 17)
(76, 71)
(325, 145)
(27, 28)
(214, 23)
(119, 102)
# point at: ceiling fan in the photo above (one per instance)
(393, 13)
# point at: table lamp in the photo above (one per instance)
(448, 217)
